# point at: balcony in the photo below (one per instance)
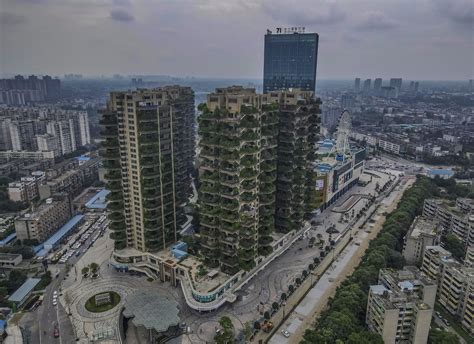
(150, 173)
(109, 133)
(232, 156)
(249, 150)
(248, 173)
(249, 123)
(114, 186)
(111, 165)
(113, 176)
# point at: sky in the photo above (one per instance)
(414, 39)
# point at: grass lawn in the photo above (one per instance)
(454, 323)
(92, 307)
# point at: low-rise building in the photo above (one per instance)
(23, 191)
(44, 220)
(72, 181)
(423, 232)
(21, 295)
(10, 260)
(400, 307)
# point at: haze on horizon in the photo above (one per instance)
(416, 39)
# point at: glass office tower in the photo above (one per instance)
(290, 61)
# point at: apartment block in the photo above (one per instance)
(400, 307)
(23, 191)
(456, 217)
(423, 232)
(253, 171)
(455, 284)
(72, 181)
(46, 219)
(147, 152)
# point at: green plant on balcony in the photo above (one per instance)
(114, 186)
(229, 156)
(249, 135)
(230, 226)
(248, 173)
(114, 196)
(227, 215)
(249, 123)
(246, 109)
(248, 197)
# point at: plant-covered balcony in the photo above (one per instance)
(249, 185)
(113, 176)
(149, 139)
(247, 109)
(249, 135)
(268, 166)
(116, 216)
(248, 173)
(231, 227)
(231, 205)
(114, 186)
(248, 161)
(114, 196)
(249, 123)
(228, 215)
(249, 150)
(109, 132)
(109, 142)
(148, 173)
(229, 156)
(111, 164)
(149, 150)
(209, 188)
(248, 197)
(229, 143)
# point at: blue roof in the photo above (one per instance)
(59, 235)
(2, 325)
(26, 288)
(441, 172)
(83, 158)
(7, 239)
(98, 201)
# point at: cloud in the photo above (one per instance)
(304, 13)
(377, 21)
(10, 19)
(121, 15)
(457, 11)
(121, 2)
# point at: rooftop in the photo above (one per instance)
(59, 235)
(98, 201)
(9, 256)
(20, 294)
(424, 226)
(151, 310)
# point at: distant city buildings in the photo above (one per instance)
(43, 129)
(377, 86)
(357, 84)
(400, 307)
(366, 87)
(22, 91)
(397, 83)
(290, 60)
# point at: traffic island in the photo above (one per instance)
(102, 302)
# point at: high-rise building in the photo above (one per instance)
(347, 102)
(290, 61)
(20, 91)
(397, 83)
(148, 152)
(400, 307)
(377, 86)
(357, 84)
(253, 167)
(366, 86)
(424, 231)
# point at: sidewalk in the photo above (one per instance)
(14, 335)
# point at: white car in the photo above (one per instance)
(285, 333)
(55, 301)
(55, 294)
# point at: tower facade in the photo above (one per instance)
(290, 61)
(253, 147)
(148, 151)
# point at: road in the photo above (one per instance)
(40, 323)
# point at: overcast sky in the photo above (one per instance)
(414, 39)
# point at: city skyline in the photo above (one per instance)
(164, 37)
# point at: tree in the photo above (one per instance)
(85, 270)
(316, 261)
(275, 306)
(94, 267)
(247, 331)
(298, 281)
(442, 337)
(226, 336)
(311, 267)
(305, 274)
(454, 245)
(266, 315)
(283, 297)
(291, 288)
(365, 337)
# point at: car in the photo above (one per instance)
(285, 333)
(55, 294)
(55, 302)
(56, 332)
